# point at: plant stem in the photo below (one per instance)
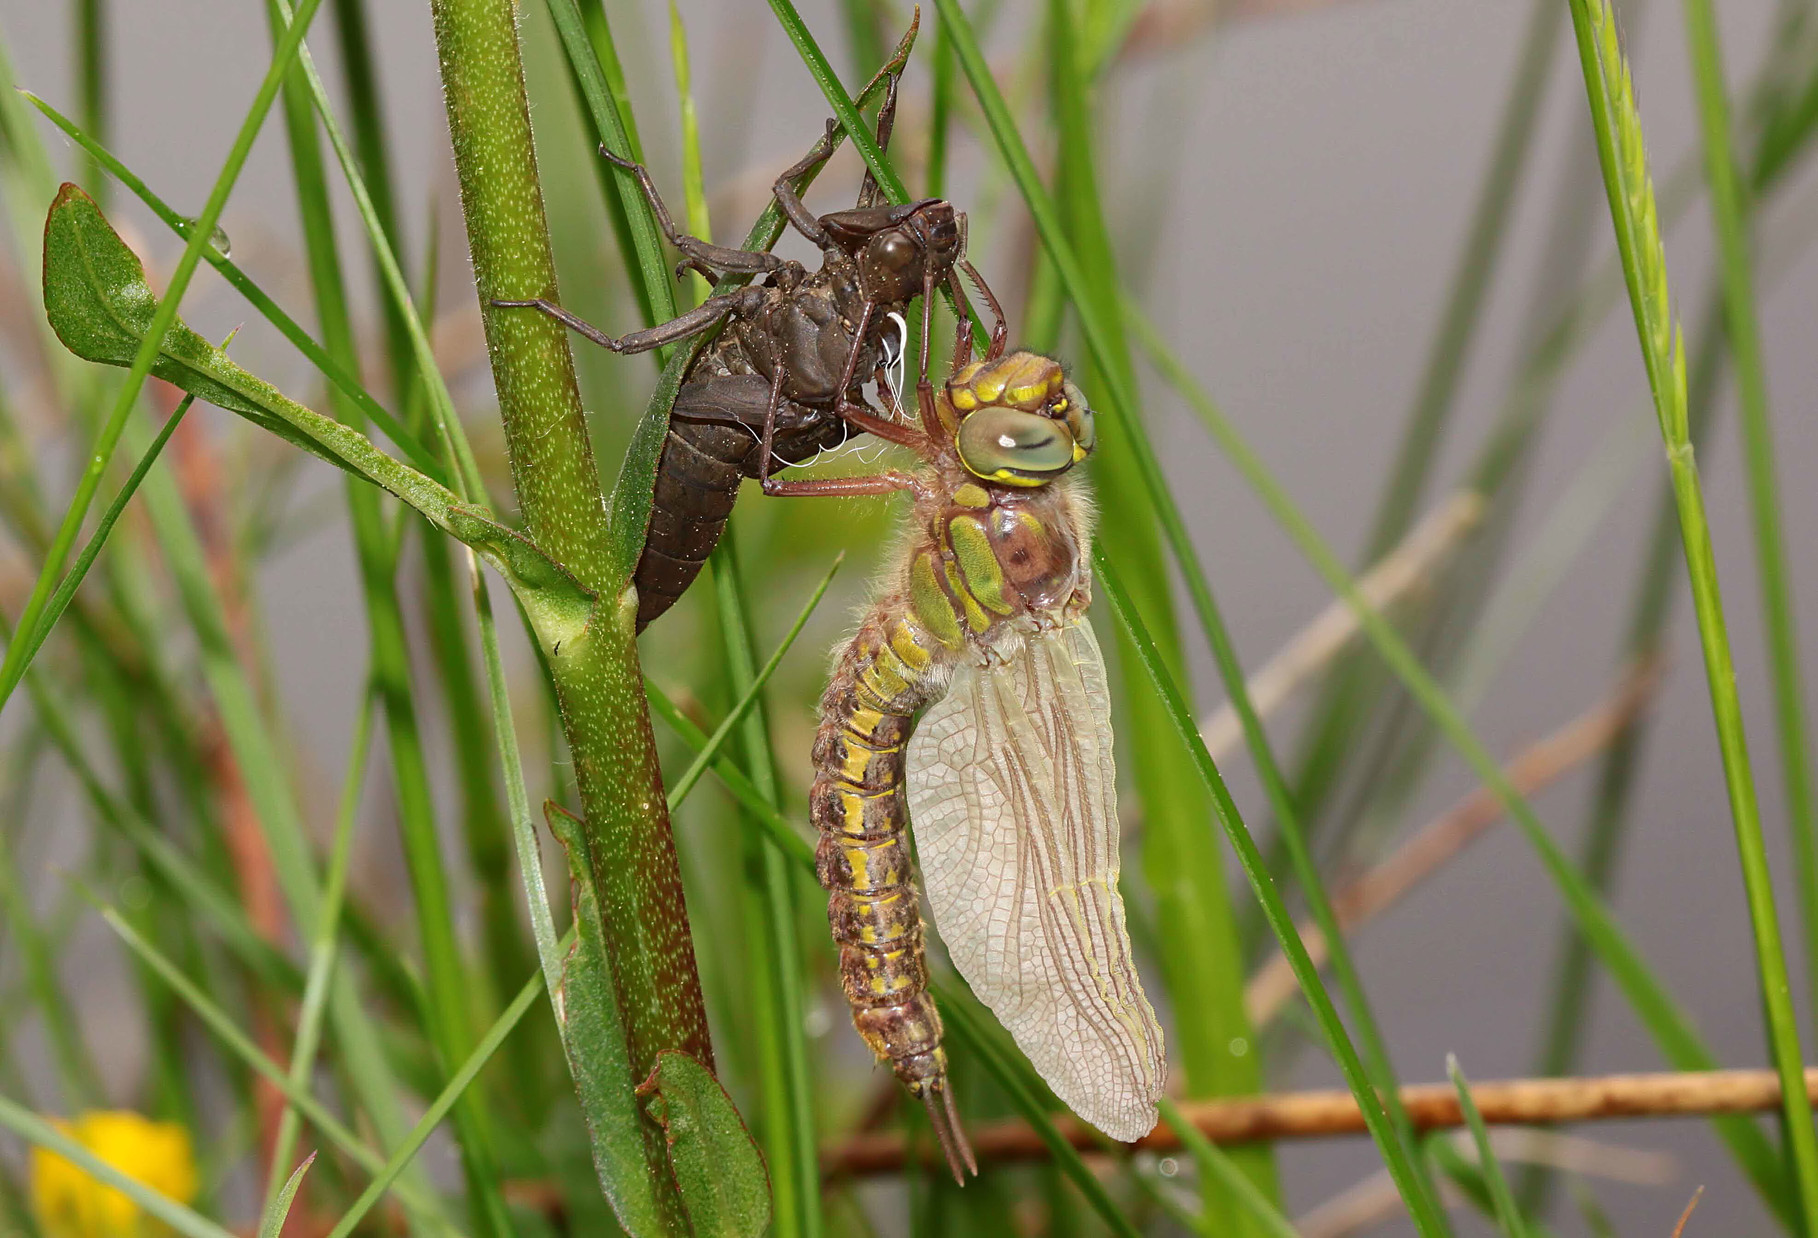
(1730, 215)
(597, 677)
(1621, 151)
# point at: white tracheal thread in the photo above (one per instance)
(896, 358)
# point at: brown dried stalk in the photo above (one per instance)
(1324, 1114)
(1434, 845)
(1406, 569)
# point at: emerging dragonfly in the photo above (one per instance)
(785, 380)
(1008, 778)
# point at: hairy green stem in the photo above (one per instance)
(596, 673)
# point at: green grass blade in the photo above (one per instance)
(35, 1130)
(372, 150)
(1207, 1153)
(1203, 965)
(78, 572)
(458, 1083)
(652, 267)
(1250, 859)
(774, 948)
(1624, 159)
(464, 477)
(238, 1043)
(448, 979)
(735, 780)
(165, 315)
(1730, 214)
(1670, 1027)
(323, 956)
(749, 694)
(940, 112)
(694, 188)
(484, 833)
(1650, 612)
(92, 71)
(277, 1209)
(1508, 1216)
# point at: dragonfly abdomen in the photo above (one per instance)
(887, 673)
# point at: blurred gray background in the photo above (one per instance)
(1326, 158)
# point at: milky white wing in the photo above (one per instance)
(1013, 799)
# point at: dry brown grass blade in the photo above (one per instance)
(1374, 1200)
(1434, 845)
(1679, 1229)
(1405, 570)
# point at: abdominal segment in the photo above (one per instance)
(858, 807)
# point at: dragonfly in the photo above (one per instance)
(1007, 779)
(784, 381)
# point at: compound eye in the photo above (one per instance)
(894, 251)
(1071, 407)
(1015, 448)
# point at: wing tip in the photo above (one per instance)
(1127, 1124)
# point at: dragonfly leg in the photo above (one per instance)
(839, 487)
(931, 419)
(861, 417)
(681, 327)
(886, 121)
(1000, 327)
(962, 325)
(899, 432)
(790, 200)
(752, 262)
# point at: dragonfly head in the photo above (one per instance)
(1018, 420)
(900, 250)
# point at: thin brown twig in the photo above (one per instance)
(1325, 1114)
(1434, 845)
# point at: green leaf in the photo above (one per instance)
(594, 1040)
(99, 304)
(256, 296)
(272, 1223)
(718, 1167)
